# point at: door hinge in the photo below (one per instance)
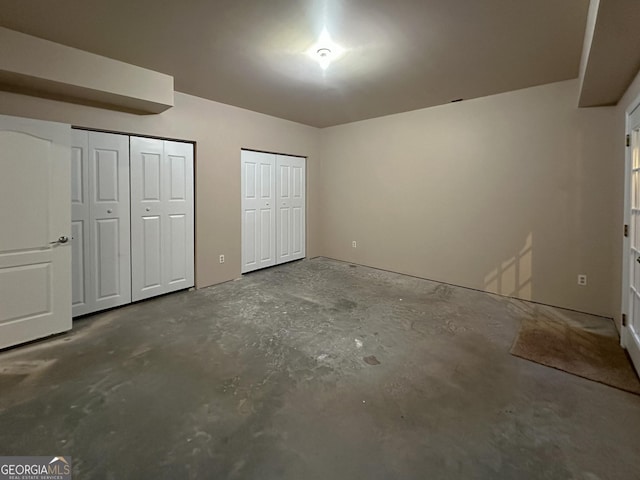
(624, 319)
(628, 140)
(626, 230)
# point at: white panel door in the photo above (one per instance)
(179, 225)
(258, 190)
(162, 217)
(81, 279)
(290, 187)
(35, 226)
(100, 221)
(146, 217)
(630, 334)
(110, 222)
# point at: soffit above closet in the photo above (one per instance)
(401, 55)
(612, 56)
(34, 66)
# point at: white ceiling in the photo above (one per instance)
(401, 55)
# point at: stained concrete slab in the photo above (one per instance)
(314, 370)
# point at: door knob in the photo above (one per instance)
(109, 211)
(62, 239)
(638, 259)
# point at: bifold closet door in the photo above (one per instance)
(101, 269)
(290, 188)
(162, 222)
(273, 209)
(258, 190)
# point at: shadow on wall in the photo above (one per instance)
(513, 277)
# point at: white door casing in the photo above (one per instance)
(290, 186)
(100, 221)
(258, 190)
(630, 334)
(162, 217)
(35, 228)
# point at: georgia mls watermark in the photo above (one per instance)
(35, 468)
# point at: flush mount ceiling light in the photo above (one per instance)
(325, 50)
(324, 57)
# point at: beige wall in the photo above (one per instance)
(220, 131)
(512, 193)
(515, 193)
(618, 166)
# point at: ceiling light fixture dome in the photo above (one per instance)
(325, 50)
(324, 57)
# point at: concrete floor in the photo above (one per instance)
(314, 370)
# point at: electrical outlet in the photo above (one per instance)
(354, 244)
(582, 280)
(221, 258)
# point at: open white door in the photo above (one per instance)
(35, 228)
(630, 334)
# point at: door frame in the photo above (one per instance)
(626, 239)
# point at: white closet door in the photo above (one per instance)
(101, 266)
(258, 189)
(146, 217)
(161, 217)
(35, 255)
(110, 219)
(290, 186)
(179, 225)
(81, 278)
